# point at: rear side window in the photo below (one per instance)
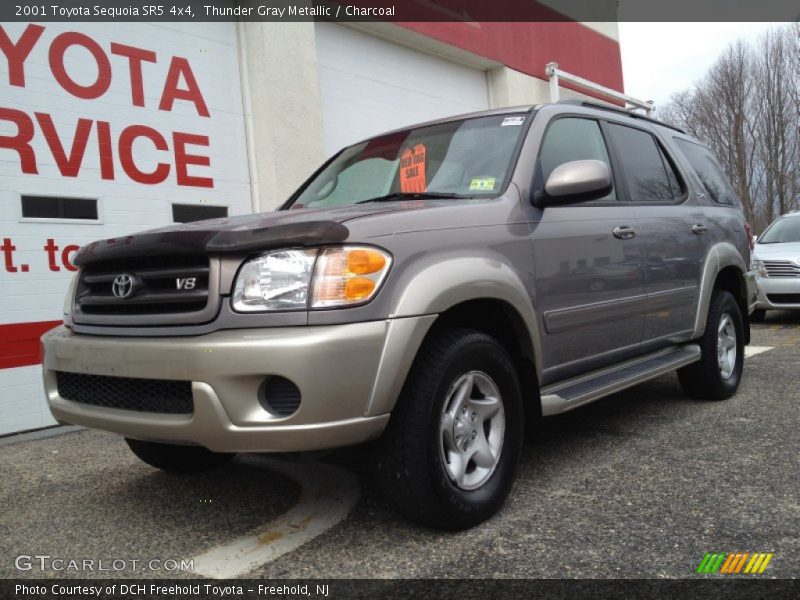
(571, 139)
(648, 173)
(709, 172)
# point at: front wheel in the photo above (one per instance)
(450, 451)
(177, 459)
(717, 374)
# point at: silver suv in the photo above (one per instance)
(427, 289)
(776, 261)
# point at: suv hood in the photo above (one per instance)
(246, 233)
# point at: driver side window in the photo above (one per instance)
(569, 139)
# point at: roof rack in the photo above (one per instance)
(555, 74)
(620, 111)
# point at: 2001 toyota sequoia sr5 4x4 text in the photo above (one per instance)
(428, 288)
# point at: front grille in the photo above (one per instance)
(784, 298)
(143, 395)
(781, 268)
(130, 291)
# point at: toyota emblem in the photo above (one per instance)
(122, 286)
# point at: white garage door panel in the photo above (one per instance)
(370, 85)
(124, 206)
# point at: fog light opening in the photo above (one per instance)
(279, 396)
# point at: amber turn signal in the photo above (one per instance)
(365, 261)
(348, 275)
(358, 288)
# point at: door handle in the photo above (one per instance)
(623, 232)
(699, 229)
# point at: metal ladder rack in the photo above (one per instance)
(555, 74)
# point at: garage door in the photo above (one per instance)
(105, 129)
(370, 85)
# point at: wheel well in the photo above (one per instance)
(731, 280)
(502, 321)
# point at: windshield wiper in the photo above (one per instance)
(413, 196)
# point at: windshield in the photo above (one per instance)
(470, 158)
(782, 231)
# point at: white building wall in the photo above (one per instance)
(35, 294)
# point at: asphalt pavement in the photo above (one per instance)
(638, 485)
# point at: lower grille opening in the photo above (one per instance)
(279, 396)
(784, 298)
(144, 395)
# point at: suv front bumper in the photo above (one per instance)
(775, 286)
(348, 377)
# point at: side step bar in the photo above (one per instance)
(572, 393)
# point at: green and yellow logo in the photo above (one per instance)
(731, 563)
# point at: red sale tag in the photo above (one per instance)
(412, 169)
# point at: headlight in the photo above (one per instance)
(274, 281)
(759, 268)
(282, 279)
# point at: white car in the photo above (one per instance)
(776, 261)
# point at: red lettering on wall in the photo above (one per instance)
(66, 258)
(183, 159)
(135, 58)
(126, 139)
(177, 68)
(105, 149)
(51, 248)
(17, 53)
(21, 142)
(56, 56)
(8, 249)
(69, 166)
(180, 84)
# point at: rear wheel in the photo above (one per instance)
(450, 451)
(177, 459)
(717, 374)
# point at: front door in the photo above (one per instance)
(588, 289)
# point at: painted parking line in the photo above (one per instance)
(753, 350)
(328, 495)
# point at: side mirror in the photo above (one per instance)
(577, 181)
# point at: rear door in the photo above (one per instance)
(673, 229)
(589, 289)
(722, 208)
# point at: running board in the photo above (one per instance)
(572, 393)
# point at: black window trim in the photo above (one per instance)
(98, 220)
(665, 150)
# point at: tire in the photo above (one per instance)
(758, 315)
(177, 459)
(431, 432)
(707, 379)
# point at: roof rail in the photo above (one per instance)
(620, 111)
